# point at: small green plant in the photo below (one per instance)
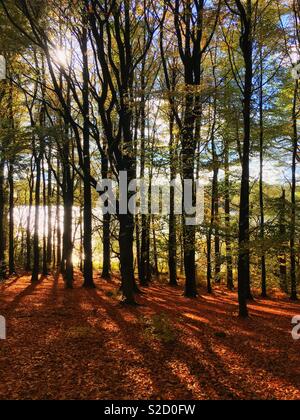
(81, 332)
(114, 294)
(159, 326)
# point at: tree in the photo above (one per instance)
(245, 15)
(188, 21)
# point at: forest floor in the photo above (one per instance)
(83, 344)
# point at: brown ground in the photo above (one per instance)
(82, 344)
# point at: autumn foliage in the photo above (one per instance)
(84, 344)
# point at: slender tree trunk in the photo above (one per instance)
(213, 214)
(36, 244)
(210, 233)
(2, 222)
(148, 220)
(126, 233)
(181, 253)
(67, 267)
(172, 217)
(23, 246)
(293, 199)
(189, 232)
(67, 237)
(50, 227)
(106, 264)
(144, 275)
(87, 211)
(148, 248)
(11, 264)
(282, 257)
(208, 261)
(81, 230)
(126, 237)
(216, 227)
(261, 184)
(137, 161)
(138, 244)
(54, 235)
(244, 216)
(215, 189)
(45, 266)
(58, 221)
(155, 251)
(230, 284)
(28, 228)
(68, 199)
(144, 250)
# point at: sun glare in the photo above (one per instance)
(61, 57)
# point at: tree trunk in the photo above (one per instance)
(126, 239)
(208, 261)
(145, 232)
(294, 295)
(282, 258)
(216, 226)
(50, 227)
(2, 222)
(244, 216)
(106, 270)
(28, 228)
(36, 245)
(126, 235)
(261, 184)
(155, 251)
(58, 221)
(68, 198)
(230, 284)
(210, 233)
(11, 219)
(81, 231)
(172, 217)
(45, 265)
(189, 232)
(106, 265)
(87, 211)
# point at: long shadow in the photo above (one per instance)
(10, 282)
(248, 353)
(211, 371)
(50, 349)
(223, 390)
(159, 308)
(169, 355)
(276, 306)
(147, 350)
(10, 307)
(70, 306)
(81, 321)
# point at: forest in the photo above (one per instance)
(149, 199)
